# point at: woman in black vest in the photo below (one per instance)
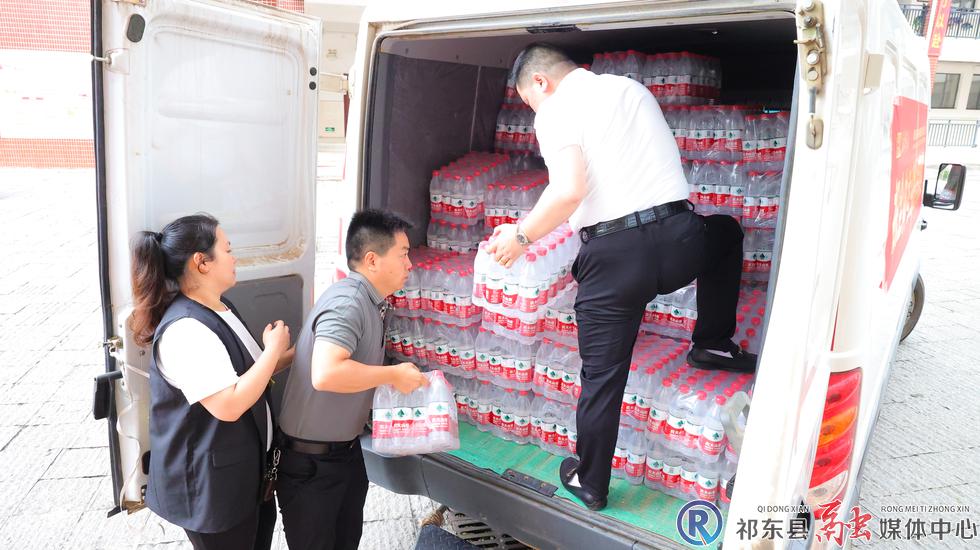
(210, 420)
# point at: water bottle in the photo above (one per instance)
(713, 439)
(631, 66)
(522, 417)
(620, 453)
(381, 420)
(688, 480)
(695, 422)
(484, 407)
(523, 366)
(629, 398)
(677, 413)
(654, 471)
(442, 419)
(644, 399)
(635, 467)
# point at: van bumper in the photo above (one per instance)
(530, 517)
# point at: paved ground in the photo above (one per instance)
(54, 459)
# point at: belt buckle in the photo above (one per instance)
(584, 234)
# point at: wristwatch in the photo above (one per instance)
(522, 238)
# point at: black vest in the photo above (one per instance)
(205, 474)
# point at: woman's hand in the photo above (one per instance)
(275, 337)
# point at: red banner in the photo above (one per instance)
(937, 32)
(909, 121)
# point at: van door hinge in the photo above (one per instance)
(113, 344)
(115, 61)
(813, 61)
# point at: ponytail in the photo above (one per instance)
(159, 261)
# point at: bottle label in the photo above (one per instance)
(549, 433)
(522, 370)
(442, 354)
(507, 422)
(467, 360)
(408, 346)
(688, 480)
(381, 424)
(439, 417)
(707, 487)
(655, 423)
(674, 428)
(628, 404)
(561, 436)
(522, 426)
(483, 361)
(635, 464)
(554, 379)
(619, 458)
(537, 430)
(495, 415)
(527, 300)
(692, 434)
(738, 198)
(671, 476)
(712, 442)
(496, 366)
(540, 375)
(435, 203)
(641, 411)
(420, 427)
(483, 414)
(414, 299)
(401, 423)
(654, 471)
(509, 369)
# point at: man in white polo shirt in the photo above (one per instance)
(616, 176)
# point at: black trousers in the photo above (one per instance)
(255, 532)
(618, 274)
(321, 498)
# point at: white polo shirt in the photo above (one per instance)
(632, 161)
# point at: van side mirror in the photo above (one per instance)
(948, 191)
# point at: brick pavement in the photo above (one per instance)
(54, 459)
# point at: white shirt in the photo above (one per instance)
(632, 161)
(191, 358)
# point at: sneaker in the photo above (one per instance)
(728, 357)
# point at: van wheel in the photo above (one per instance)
(916, 302)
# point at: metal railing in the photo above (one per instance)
(917, 15)
(963, 24)
(953, 133)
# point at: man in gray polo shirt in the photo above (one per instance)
(322, 482)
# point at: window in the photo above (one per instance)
(944, 90)
(963, 4)
(973, 101)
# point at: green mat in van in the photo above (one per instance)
(636, 505)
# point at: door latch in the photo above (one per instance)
(813, 62)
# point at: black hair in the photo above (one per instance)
(539, 57)
(373, 230)
(159, 261)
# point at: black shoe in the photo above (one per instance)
(727, 356)
(566, 472)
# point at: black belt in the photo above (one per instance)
(636, 219)
(315, 447)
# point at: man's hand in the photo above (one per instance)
(285, 360)
(503, 247)
(407, 378)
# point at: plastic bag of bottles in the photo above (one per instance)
(421, 422)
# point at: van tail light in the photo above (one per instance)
(831, 464)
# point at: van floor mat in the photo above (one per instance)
(636, 505)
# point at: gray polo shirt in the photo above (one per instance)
(349, 315)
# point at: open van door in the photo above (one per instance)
(200, 105)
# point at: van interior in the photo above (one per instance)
(432, 99)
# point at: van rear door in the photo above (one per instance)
(200, 105)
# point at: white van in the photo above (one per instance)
(211, 105)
